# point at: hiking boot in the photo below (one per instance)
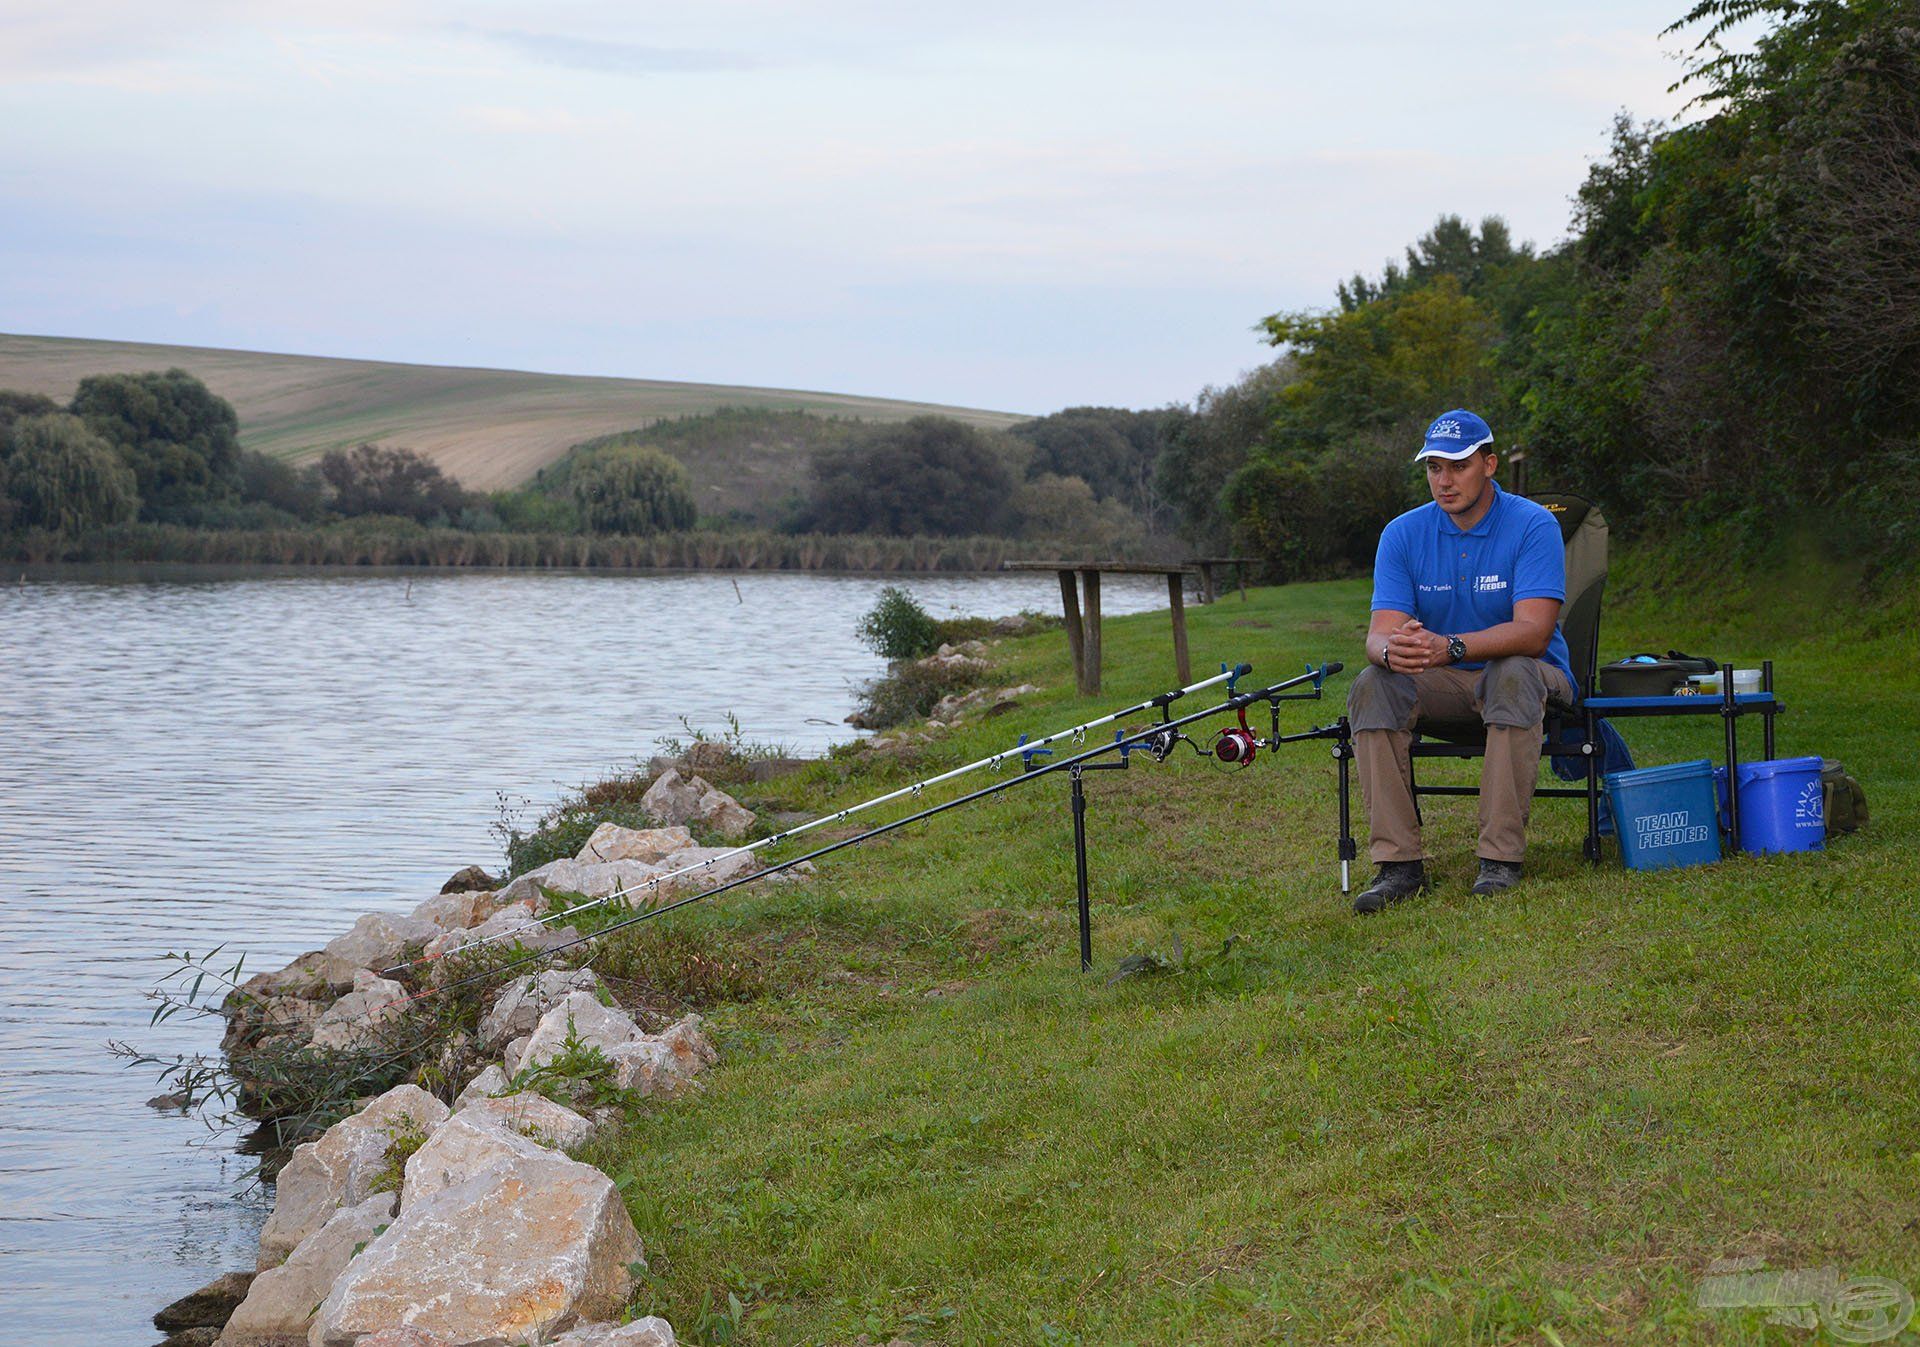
(1396, 880)
(1495, 876)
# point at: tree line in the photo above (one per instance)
(1728, 339)
(1729, 336)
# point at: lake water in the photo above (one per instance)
(189, 758)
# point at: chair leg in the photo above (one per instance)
(1343, 754)
(1592, 845)
(1413, 789)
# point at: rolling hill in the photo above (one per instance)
(490, 428)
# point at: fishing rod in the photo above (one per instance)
(1024, 750)
(1164, 735)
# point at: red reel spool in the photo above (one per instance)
(1236, 745)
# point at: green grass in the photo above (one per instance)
(1535, 1119)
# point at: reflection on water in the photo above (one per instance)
(188, 759)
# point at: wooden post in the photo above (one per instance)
(1070, 603)
(1206, 586)
(1090, 639)
(1177, 601)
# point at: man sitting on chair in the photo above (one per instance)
(1466, 608)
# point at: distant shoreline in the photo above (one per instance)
(416, 547)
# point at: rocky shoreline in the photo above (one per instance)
(458, 1215)
(464, 1221)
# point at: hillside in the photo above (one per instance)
(489, 428)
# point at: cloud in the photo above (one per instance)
(613, 57)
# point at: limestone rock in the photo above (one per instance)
(514, 924)
(521, 1003)
(611, 842)
(279, 1306)
(592, 879)
(355, 1019)
(468, 880)
(453, 911)
(465, 1145)
(709, 865)
(664, 1063)
(489, 1082)
(316, 976)
(652, 1331)
(511, 1054)
(207, 1307)
(579, 1014)
(723, 815)
(523, 1250)
(673, 798)
(377, 939)
(405, 1337)
(338, 1170)
(204, 1336)
(533, 1116)
(275, 1022)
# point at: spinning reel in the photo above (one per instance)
(1237, 745)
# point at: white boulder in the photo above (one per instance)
(355, 1019)
(578, 1015)
(377, 939)
(521, 1003)
(611, 842)
(652, 1331)
(664, 1063)
(521, 1251)
(489, 1082)
(279, 1306)
(339, 1169)
(533, 1116)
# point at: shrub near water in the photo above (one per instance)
(897, 627)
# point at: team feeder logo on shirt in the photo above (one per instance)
(1489, 584)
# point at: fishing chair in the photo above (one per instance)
(1570, 732)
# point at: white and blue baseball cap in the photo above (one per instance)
(1455, 434)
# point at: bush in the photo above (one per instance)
(910, 691)
(897, 627)
(373, 480)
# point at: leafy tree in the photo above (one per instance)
(1065, 509)
(60, 476)
(1208, 445)
(14, 405)
(182, 442)
(372, 479)
(1113, 450)
(627, 489)
(930, 475)
(300, 492)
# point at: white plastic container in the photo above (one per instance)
(1744, 680)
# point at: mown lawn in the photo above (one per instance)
(1531, 1119)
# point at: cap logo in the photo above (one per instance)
(1449, 430)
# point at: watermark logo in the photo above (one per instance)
(1852, 1309)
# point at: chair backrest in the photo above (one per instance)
(1583, 529)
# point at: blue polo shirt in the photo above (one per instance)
(1458, 582)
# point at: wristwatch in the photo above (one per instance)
(1456, 649)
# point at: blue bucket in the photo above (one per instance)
(1665, 816)
(1781, 806)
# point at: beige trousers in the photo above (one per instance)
(1508, 697)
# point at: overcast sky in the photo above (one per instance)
(1010, 205)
